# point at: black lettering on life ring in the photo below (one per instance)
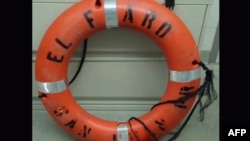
(89, 19)
(129, 14)
(54, 58)
(161, 124)
(85, 131)
(62, 44)
(164, 25)
(150, 21)
(184, 91)
(71, 124)
(60, 111)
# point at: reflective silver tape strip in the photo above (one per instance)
(185, 76)
(122, 132)
(51, 87)
(111, 14)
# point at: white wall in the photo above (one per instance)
(209, 30)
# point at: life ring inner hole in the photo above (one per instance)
(122, 76)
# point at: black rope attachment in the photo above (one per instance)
(81, 62)
(42, 95)
(170, 4)
(145, 127)
(98, 3)
(206, 89)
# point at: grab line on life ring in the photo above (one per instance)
(87, 17)
(207, 88)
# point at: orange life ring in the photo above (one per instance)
(89, 16)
